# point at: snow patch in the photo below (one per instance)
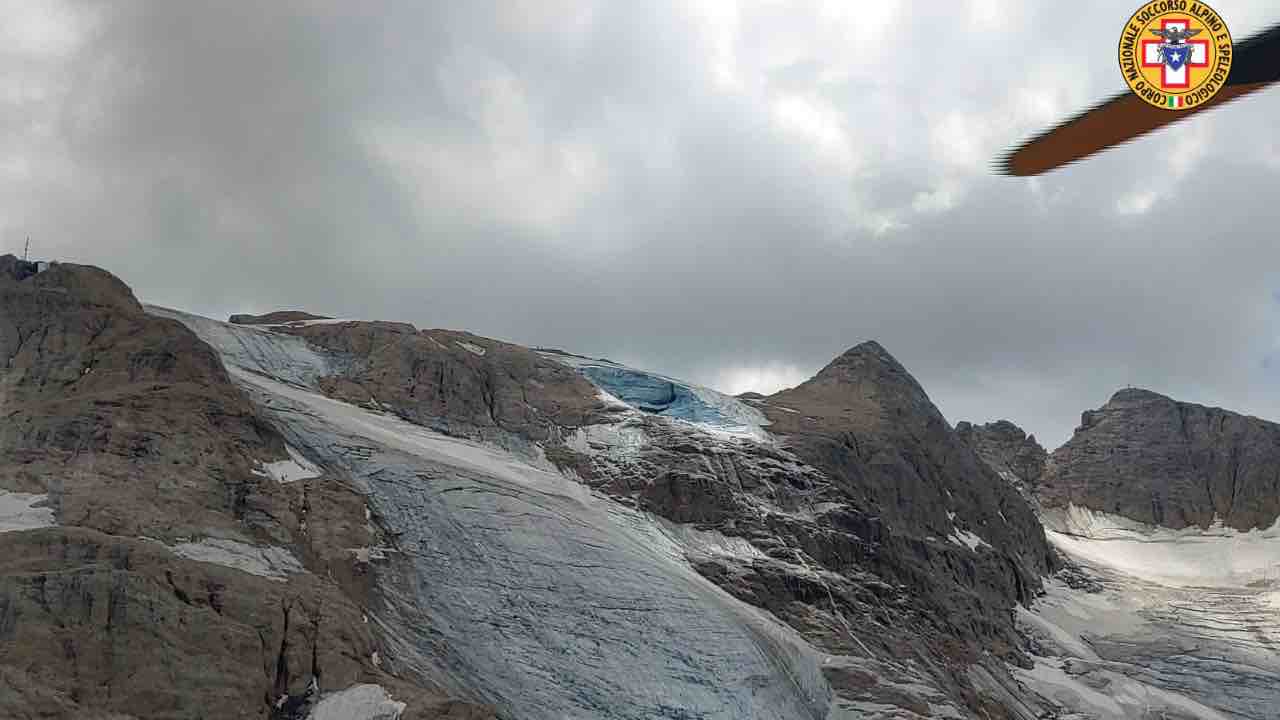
(365, 555)
(270, 562)
(24, 511)
(471, 347)
(964, 538)
(358, 702)
(1217, 556)
(615, 440)
(295, 468)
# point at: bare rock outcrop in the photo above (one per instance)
(455, 382)
(1156, 460)
(275, 318)
(1007, 449)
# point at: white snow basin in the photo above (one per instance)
(24, 511)
(1216, 557)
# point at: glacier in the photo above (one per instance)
(1176, 624)
(516, 586)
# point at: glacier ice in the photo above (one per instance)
(1181, 622)
(660, 395)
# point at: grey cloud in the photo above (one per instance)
(645, 182)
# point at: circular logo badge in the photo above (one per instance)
(1175, 54)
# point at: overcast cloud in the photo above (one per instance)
(731, 192)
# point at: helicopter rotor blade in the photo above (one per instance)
(1126, 117)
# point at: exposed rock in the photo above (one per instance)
(122, 625)
(870, 426)
(113, 413)
(1162, 462)
(455, 382)
(1007, 449)
(276, 318)
(147, 451)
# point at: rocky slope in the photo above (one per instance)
(156, 564)
(1155, 460)
(964, 545)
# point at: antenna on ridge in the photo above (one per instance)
(26, 250)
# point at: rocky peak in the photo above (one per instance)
(870, 426)
(79, 283)
(1154, 459)
(866, 389)
(1007, 448)
(868, 362)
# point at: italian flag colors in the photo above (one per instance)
(1174, 101)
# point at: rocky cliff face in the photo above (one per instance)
(154, 563)
(869, 427)
(1162, 462)
(1007, 449)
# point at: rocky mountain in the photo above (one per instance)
(155, 561)
(1155, 460)
(290, 516)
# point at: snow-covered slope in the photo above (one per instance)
(1184, 623)
(515, 585)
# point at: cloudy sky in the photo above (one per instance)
(731, 192)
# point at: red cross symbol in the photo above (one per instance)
(1181, 78)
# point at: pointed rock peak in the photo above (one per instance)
(862, 352)
(869, 356)
(864, 385)
(867, 362)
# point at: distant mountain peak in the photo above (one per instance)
(1161, 461)
(1136, 394)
